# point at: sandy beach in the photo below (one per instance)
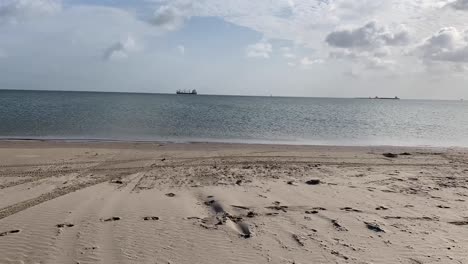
(76, 202)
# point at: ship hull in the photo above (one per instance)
(187, 93)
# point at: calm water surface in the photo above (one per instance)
(184, 118)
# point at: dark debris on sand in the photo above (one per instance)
(313, 182)
(374, 227)
(390, 155)
(10, 232)
(114, 218)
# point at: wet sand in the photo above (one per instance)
(76, 202)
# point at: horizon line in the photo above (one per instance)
(233, 95)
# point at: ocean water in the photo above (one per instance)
(204, 118)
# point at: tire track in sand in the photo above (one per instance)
(103, 167)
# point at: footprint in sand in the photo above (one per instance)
(65, 225)
(443, 207)
(458, 223)
(237, 224)
(381, 208)
(10, 232)
(272, 214)
(112, 219)
(222, 217)
(251, 214)
(150, 218)
(292, 183)
(349, 209)
(298, 239)
(91, 248)
(244, 230)
(315, 210)
(117, 182)
(338, 226)
(319, 208)
(390, 155)
(216, 206)
(278, 208)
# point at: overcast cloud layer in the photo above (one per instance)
(338, 48)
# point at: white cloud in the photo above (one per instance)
(121, 49)
(368, 47)
(13, 11)
(353, 55)
(354, 9)
(448, 44)
(352, 73)
(310, 20)
(259, 50)
(342, 54)
(169, 17)
(381, 52)
(376, 63)
(368, 36)
(460, 4)
(181, 49)
(306, 61)
(287, 53)
(362, 61)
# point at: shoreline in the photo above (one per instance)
(220, 142)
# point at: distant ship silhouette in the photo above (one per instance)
(387, 98)
(381, 98)
(192, 92)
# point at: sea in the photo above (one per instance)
(59, 115)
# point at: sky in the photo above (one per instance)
(318, 48)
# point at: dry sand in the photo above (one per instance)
(220, 203)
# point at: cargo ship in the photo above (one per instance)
(386, 98)
(191, 92)
(380, 98)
